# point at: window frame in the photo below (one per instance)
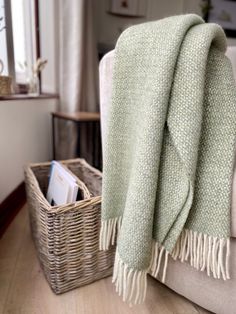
(35, 40)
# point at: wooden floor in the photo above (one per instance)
(24, 290)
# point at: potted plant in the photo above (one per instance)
(33, 72)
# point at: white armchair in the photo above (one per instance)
(215, 295)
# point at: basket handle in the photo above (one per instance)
(1, 66)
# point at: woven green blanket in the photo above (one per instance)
(169, 152)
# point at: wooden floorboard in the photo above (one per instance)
(24, 290)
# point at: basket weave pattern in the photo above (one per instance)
(5, 85)
(67, 237)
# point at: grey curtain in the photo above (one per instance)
(78, 70)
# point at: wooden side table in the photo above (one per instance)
(81, 118)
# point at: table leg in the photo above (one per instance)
(99, 147)
(94, 144)
(78, 150)
(53, 138)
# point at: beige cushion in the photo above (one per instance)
(218, 296)
(106, 68)
(231, 54)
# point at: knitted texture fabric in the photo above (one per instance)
(169, 152)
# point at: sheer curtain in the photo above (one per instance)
(78, 68)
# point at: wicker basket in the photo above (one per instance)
(5, 85)
(67, 237)
(5, 82)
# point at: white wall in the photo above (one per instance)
(108, 26)
(25, 136)
(231, 41)
(192, 6)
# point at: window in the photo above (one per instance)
(3, 38)
(18, 37)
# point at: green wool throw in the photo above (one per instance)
(169, 152)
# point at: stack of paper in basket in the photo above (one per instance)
(63, 187)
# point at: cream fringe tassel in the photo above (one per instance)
(131, 284)
(109, 229)
(202, 251)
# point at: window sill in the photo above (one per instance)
(27, 97)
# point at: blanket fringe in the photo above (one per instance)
(130, 284)
(159, 261)
(108, 231)
(204, 252)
